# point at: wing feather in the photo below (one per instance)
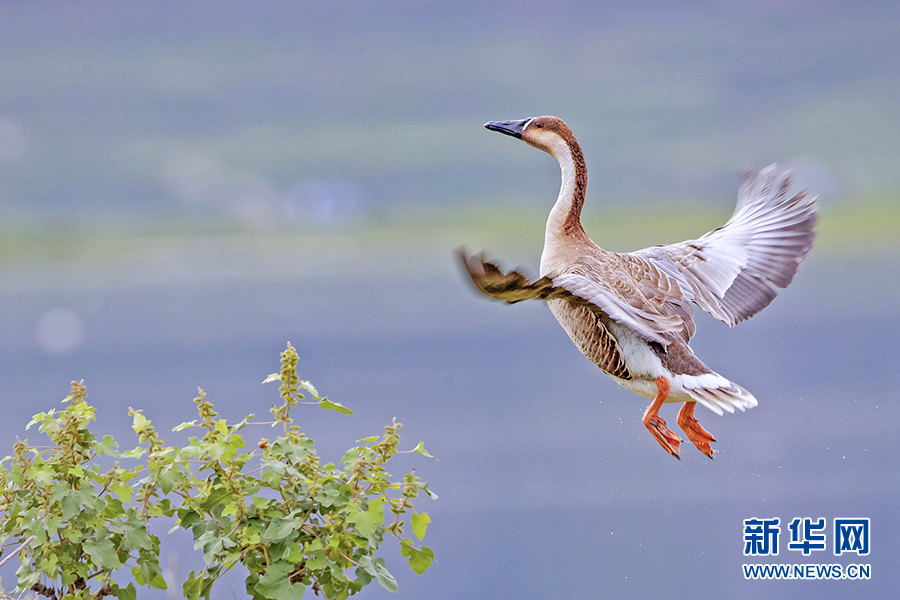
(659, 319)
(733, 272)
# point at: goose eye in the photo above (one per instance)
(538, 124)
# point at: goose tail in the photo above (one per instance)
(713, 391)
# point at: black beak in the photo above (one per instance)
(513, 128)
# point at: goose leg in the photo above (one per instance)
(657, 426)
(694, 430)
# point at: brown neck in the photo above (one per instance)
(565, 217)
(572, 222)
(564, 222)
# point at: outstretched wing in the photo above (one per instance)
(660, 320)
(733, 271)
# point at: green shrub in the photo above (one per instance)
(293, 522)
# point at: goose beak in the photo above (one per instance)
(513, 128)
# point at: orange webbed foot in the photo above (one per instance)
(657, 425)
(669, 440)
(694, 431)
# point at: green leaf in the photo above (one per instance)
(43, 474)
(332, 496)
(134, 530)
(383, 576)
(419, 522)
(70, 504)
(39, 418)
(431, 494)
(102, 553)
(241, 424)
(419, 560)
(420, 448)
(371, 438)
(127, 593)
(26, 579)
(197, 587)
(138, 576)
(159, 582)
(169, 476)
(232, 444)
(135, 452)
(280, 528)
(367, 521)
(106, 447)
(122, 490)
(218, 495)
(329, 405)
(90, 501)
(309, 388)
(113, 509)
(276, 583)
(222, 427)
(316, 551)
(140, 422)
(187, 519)
(148, 573)
(48, 565)
(272, 377)
(351, 457)
(184, 425)
(210, 544)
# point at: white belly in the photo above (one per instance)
(710, 389)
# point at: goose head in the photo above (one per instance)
(554, 137)
(549, 134)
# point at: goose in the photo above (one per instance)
(630, 313)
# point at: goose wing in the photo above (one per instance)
(636, 293)
(732, 272)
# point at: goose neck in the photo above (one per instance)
(565, 217)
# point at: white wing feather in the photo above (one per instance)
(732, 272)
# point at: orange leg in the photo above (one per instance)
(657, 426)
(694, 431)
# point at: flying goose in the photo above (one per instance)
(630, 313)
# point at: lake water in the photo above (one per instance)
(549, 485)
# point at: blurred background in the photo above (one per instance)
(184, 188)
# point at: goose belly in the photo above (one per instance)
(614, 349)
(633, 364)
